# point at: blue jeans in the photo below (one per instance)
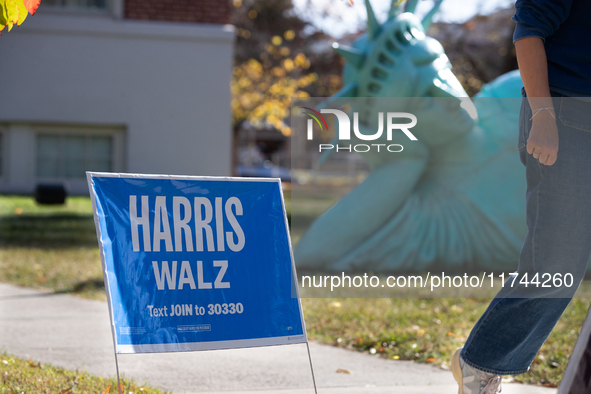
(517, 322)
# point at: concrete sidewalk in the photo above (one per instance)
(74, 333)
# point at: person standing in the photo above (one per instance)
(554, 56)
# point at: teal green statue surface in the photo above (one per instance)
(453, 200)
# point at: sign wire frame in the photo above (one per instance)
(295, 283)
(91, 174)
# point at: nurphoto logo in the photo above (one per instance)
(344, 130)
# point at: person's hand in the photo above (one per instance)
(543, 138)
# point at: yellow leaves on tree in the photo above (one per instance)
(16, 11)
(261, 92)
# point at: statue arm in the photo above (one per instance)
(362, 212)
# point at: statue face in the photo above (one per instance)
(400, 61)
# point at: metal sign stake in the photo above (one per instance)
(118, 379)
(311, 367)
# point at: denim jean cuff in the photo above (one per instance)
(489, 370)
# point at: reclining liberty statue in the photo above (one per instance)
(453, 199)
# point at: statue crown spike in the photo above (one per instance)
(373, 26)
(356, 56)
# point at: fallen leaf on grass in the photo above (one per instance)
(33, 365)
(107, 390)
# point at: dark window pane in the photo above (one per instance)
(92, 4)
(70, 156)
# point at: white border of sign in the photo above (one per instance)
(194, 346)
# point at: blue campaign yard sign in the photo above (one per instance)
(196, 263)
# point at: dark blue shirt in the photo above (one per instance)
(565, 27)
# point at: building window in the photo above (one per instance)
(70, 156)
(77, 4)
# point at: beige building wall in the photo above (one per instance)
(159, 91)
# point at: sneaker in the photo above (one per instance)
(472, 380)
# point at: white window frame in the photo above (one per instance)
(78, 185)
(19, 155)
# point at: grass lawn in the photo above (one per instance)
(21, 376)
(55, 249)
(51, 248)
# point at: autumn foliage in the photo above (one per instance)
(262, 93)
(274, 63)
(16, 11)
